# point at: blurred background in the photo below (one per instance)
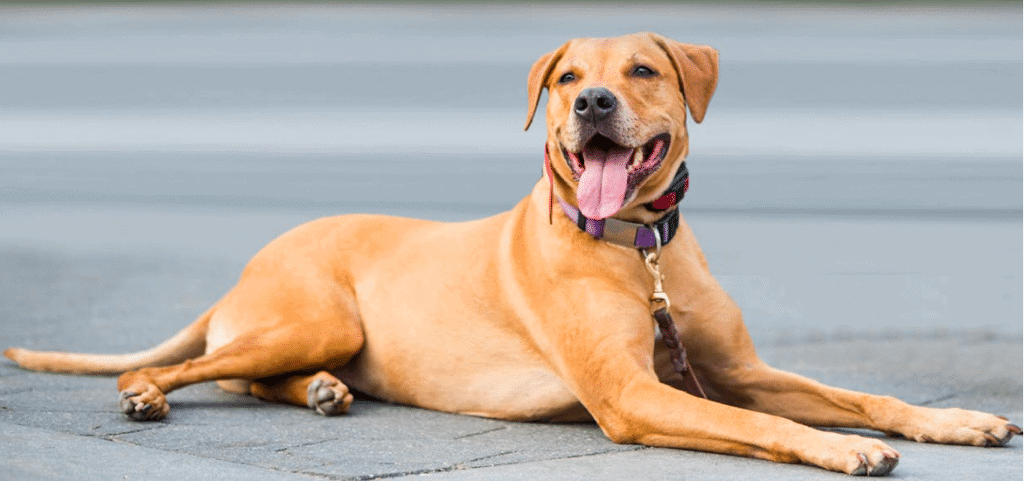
(859, 171)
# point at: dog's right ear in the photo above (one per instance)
(538, 78)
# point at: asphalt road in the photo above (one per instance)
(856, 186)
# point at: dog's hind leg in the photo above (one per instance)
(256, 356)
(265, 328)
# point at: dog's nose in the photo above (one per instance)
(595, 103)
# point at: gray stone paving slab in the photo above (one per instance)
(919, 462)
(37, 454)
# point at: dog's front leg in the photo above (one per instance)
(723, 355)
(759, 387)
(607, 361)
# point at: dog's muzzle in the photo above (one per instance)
(609, 174)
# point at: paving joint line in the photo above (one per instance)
(480, 433)
(302, 445)
(461, 466)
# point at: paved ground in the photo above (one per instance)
(856, 188)
(56, 426)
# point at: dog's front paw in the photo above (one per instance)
(868, 457)
(328, 397)
(877, 463)
(144, 404)
(854, 455)
(960, 426)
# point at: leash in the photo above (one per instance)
(644, 237)
(660, 305)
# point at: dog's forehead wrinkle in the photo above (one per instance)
(576, 64)
(638, 58)
(606, 70)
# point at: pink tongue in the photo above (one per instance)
(602, 188)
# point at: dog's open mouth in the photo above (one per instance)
(609, 173)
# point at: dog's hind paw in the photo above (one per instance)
(328, 397)
(150, 405)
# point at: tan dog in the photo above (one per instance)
(524, 316)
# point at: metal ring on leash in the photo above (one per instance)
(657, 242)
(651, 258)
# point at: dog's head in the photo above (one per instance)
(616, 117)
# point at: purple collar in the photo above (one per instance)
(627, 234)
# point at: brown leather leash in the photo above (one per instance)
(669, 334)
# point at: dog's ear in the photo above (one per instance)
(538, 78)
(697, 68)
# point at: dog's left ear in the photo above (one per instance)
(697, 68)
(538, 78)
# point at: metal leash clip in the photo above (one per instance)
(651, 261)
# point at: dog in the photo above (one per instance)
(541, 313)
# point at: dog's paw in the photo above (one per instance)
(855, 455)
(877, 463)
(328, 397)
(960, 426)
(147, 405)
(869, 457)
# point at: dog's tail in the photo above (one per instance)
(190, 342)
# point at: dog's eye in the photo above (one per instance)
(643, 71)
(566, 78)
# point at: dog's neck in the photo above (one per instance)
(630, 234)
